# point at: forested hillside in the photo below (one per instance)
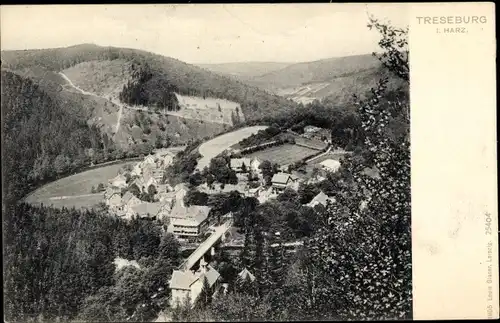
(335, 79)
(40, 138)
(245, 70)
(58, 264)
(166, 74)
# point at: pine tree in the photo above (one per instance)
(205, 297)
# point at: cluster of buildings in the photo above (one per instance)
(185, 222)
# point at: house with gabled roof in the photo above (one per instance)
(119, 181)
(147, 210)
(320, 199)
(114, 200)
(149, 159)
(185, 283)
(246, 274)
(130, 199)
(281, 180)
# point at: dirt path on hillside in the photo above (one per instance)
(76, 87)
(121, 106)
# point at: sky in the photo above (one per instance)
(204, 33)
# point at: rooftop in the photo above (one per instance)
(127, 197)
(312, 128)
(238, 162)
(184, 279)
(246, 273)
(197, 213)
(280, 178)
(321, 198)
(331, 164)
(146, 208)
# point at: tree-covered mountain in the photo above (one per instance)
(245, 70)
(167, 74)
(336, 78)
(40, 137)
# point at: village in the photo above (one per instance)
(143, 192)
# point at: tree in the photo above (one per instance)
(205, 297)
(307, 192)
(195, 179)
(158, 142)
(210, 179)
(266, 168)
(195, 197)
(243, 168)
(288, 195)
(152, 190)
(239, 307)
(61, 164)
(367, 252)
(233, 179)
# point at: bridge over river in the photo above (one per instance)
(205, 246)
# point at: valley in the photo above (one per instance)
(143, 188)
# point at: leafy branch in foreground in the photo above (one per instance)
(364, 245)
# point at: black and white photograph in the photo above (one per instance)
(196, 163)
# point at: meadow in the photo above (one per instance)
(283, 154)
(75, 190)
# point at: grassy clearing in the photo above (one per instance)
(284, 154)
(73, 186)
(208, 109)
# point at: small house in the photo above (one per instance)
(119, 181)
(130, 199)
(185, 283)
(320, 199)
(330, 165)
(240, 165)
(149, 159)
(255, 164)
(114, 200)
(317, 133)
(246, 274)
(281, 180)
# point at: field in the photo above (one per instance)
(217, 145)
(75, 190)
(284, 154)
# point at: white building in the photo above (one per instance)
(320, 199)
(236, 164)
(280, 181)
(185, 284)
(330, 165)
(255, 164)
(188, 222)
(118, 181)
